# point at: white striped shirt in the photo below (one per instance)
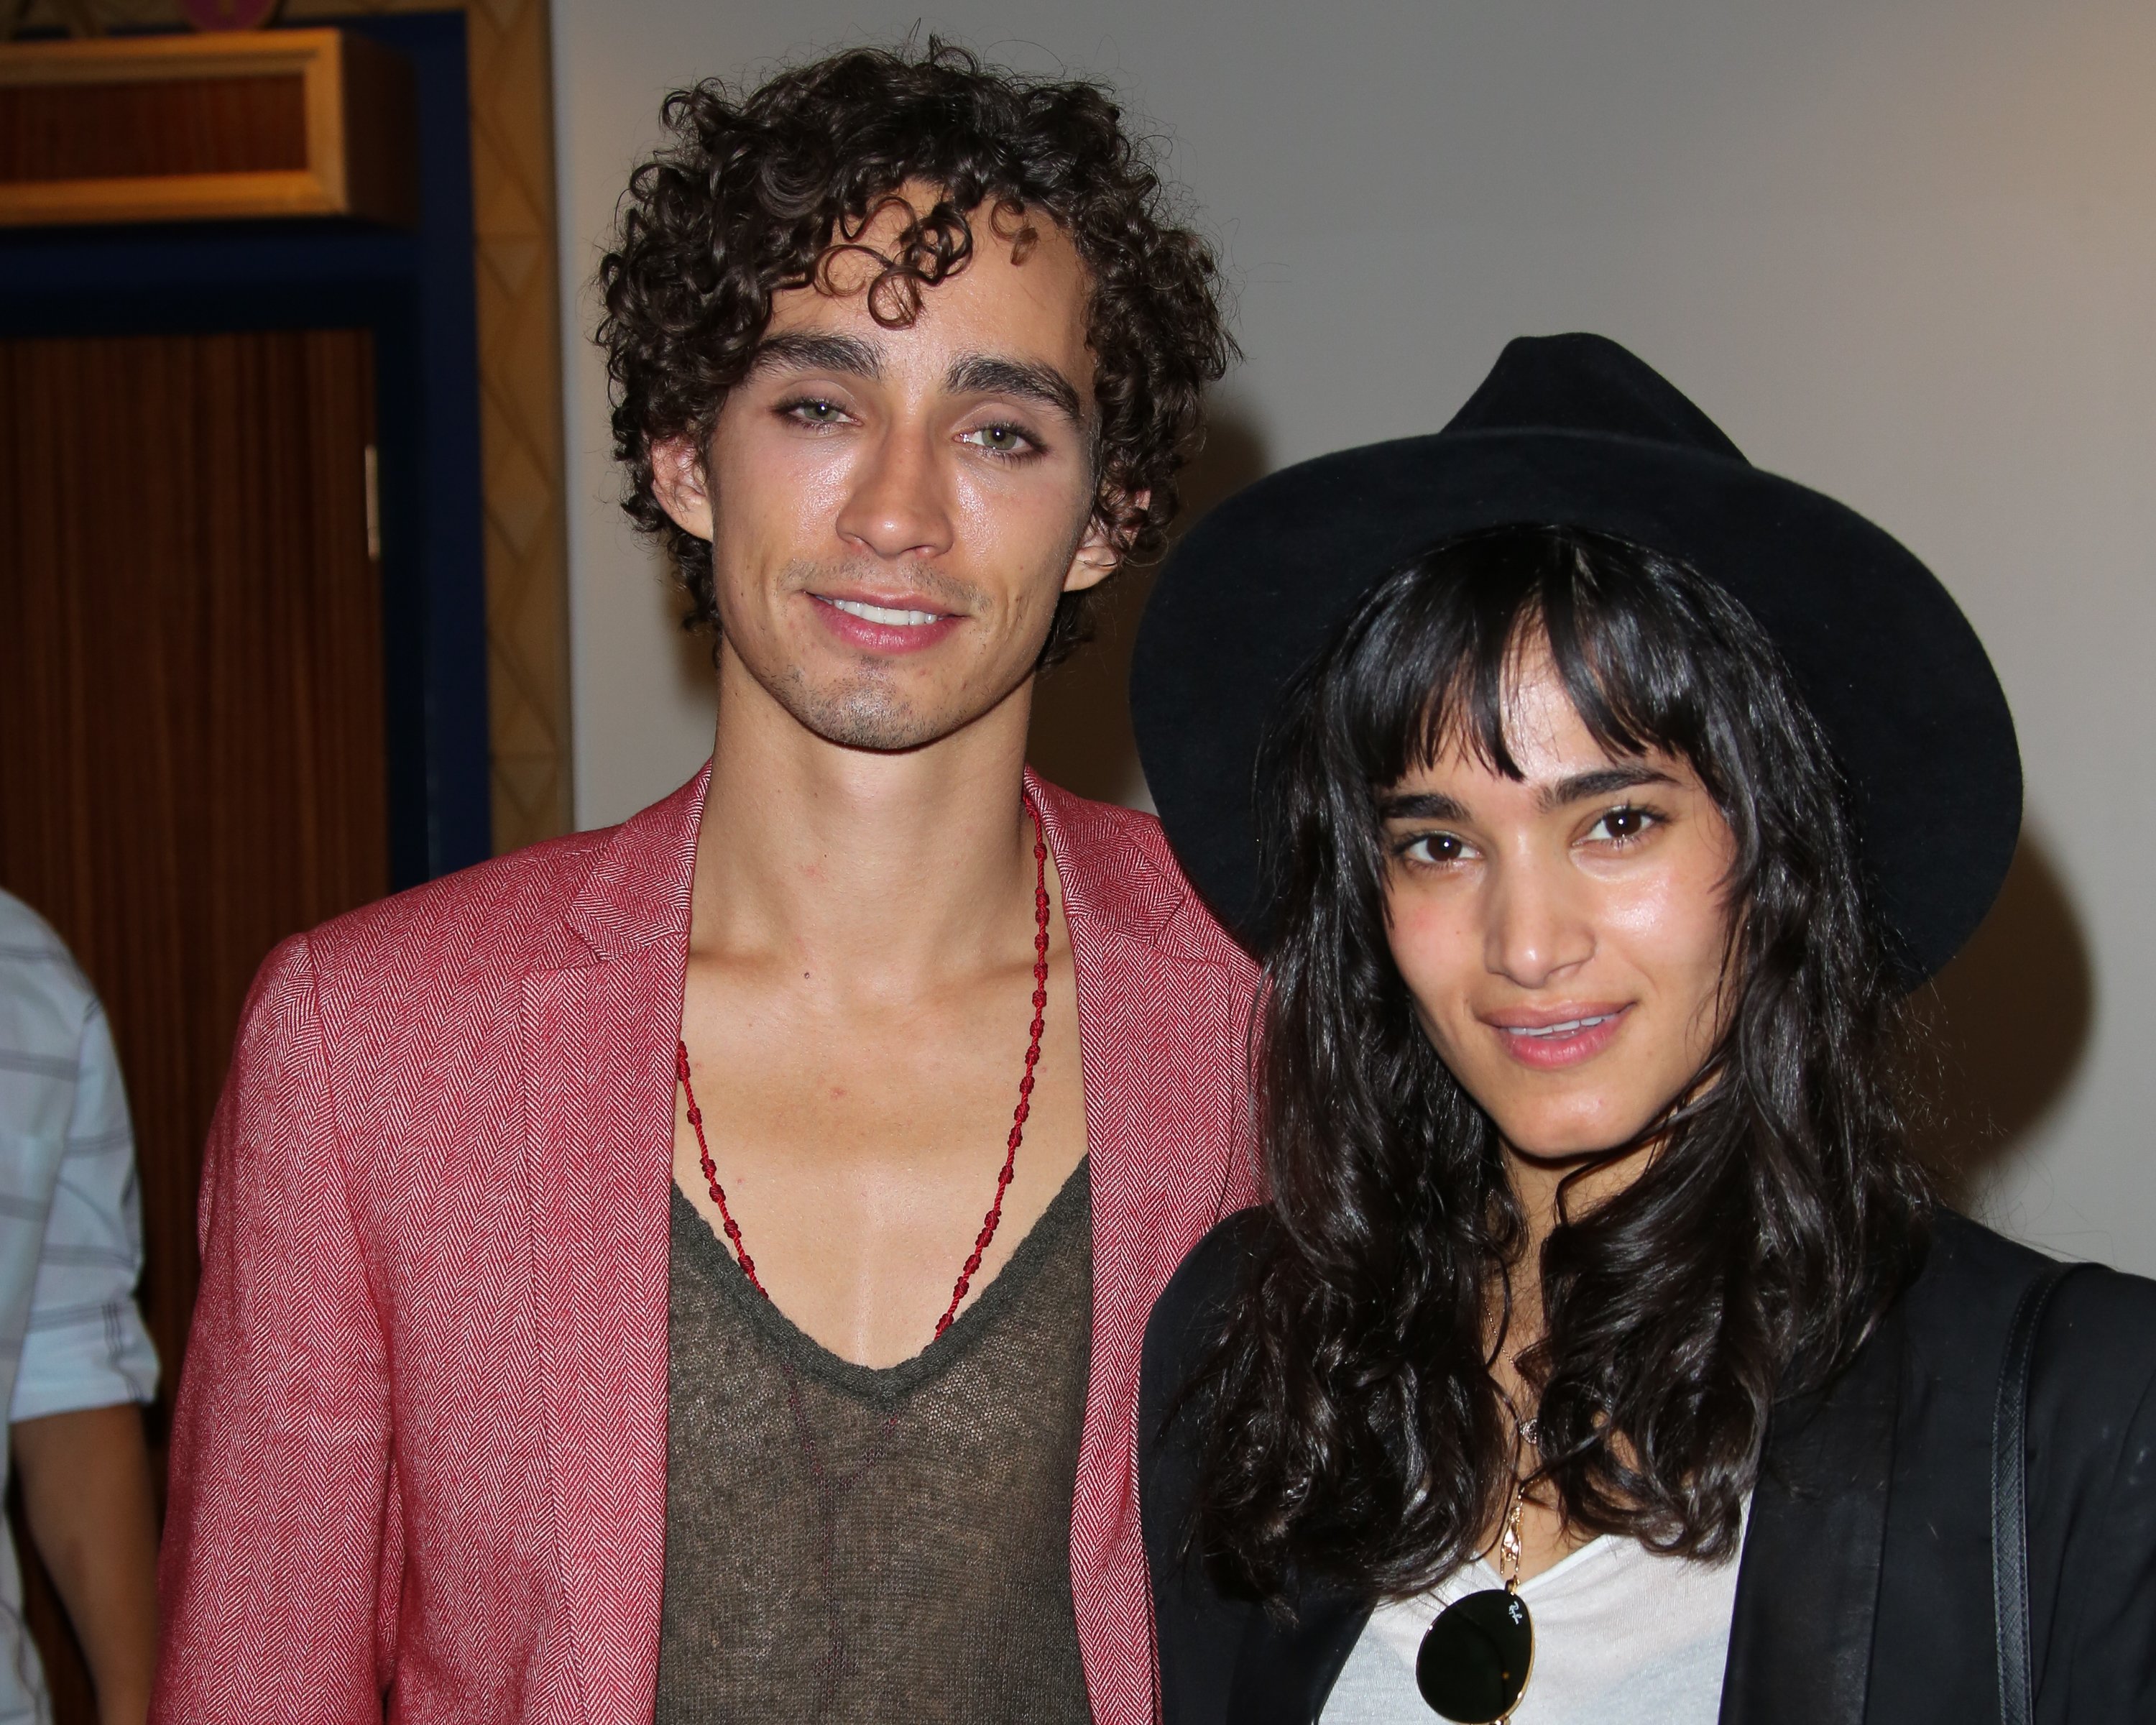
(70, 1228)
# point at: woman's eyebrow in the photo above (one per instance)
(1601, 781)
(1419, 805)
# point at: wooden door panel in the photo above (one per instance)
(191, 698)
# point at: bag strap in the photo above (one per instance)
(2009, 1502)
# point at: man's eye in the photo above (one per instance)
(998, 439)
(814, 411)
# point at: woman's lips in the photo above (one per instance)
(1554, 1042)
(900, 625)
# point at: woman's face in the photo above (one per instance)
(1563, 935)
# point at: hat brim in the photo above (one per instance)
(1889, 664)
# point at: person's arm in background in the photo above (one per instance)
(86, 1495)
(87, 1360)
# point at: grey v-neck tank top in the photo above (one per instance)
(845, 1542)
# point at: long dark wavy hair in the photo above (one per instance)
(1355, 1430)
(758, 191)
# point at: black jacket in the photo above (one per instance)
(1863, 1591)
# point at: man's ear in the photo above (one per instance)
(678, 482)
(1100, 552)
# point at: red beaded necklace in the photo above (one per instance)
(987, 1233)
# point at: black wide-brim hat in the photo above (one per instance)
(1574, 431)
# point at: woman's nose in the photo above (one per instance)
(1534, 931)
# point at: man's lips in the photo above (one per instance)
(1561, 1035)
(886, 623)
(904, 612)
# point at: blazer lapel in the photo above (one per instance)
(1808, 1583)
(599, 1030)
(1108, 1578)
(1160, 1178)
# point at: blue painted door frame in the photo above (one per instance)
(415, 291)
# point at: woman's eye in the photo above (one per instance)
(1621, 826)
(1435, 849)
(999, 440)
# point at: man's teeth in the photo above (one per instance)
(884, 613)
(1570, 1027)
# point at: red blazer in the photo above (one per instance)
(420, 1445)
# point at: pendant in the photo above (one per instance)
(1476, 1657)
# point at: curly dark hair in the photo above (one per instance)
(1355, 1431)
(760, 189)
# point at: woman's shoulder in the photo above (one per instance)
(2091, 1455)
(2095, 1315)
(2092, 1371)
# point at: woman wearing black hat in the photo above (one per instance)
(1601, 1354)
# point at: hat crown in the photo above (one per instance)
(1586, 383)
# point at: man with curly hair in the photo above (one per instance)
(697, 1270)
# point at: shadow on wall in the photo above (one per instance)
(1081, 713)
(695, 667)
(2009, 1021)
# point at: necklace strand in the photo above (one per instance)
(731, 1230)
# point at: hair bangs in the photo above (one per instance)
(1438, 653)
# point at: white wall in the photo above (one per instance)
(1902, 249)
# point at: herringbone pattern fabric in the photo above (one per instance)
(420, 1447)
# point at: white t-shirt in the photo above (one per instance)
(1622, 1637)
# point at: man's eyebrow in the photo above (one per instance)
(1602, 782)
(992, 374)
(1419, 805)
(811, 350)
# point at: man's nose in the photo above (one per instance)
(1535, 929)
(897, 503)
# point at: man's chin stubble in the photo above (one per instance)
(866, 714)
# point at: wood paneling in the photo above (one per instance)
(191, 709)
(191, 713)
(168, 128)
(106, 131)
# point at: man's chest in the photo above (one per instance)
(860, 1152)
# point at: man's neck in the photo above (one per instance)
(864, 871)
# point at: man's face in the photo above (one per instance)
(894, 513)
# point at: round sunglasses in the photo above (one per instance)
(1478, 1652)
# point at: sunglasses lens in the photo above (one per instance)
(1475, 1659)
